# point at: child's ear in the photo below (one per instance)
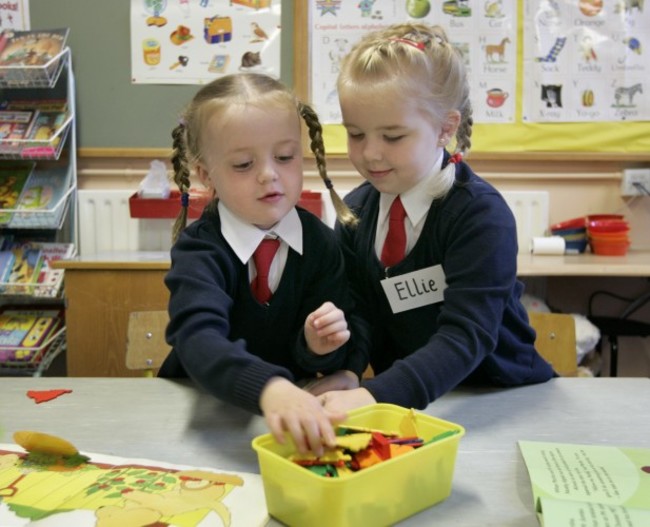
(451, 124)
(203, 174)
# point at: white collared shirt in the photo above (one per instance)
(417, 202)
(244, 238)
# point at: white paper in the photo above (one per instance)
(416, 289)
(548, 245)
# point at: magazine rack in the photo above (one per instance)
(58, 222)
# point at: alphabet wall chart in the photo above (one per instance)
(573, 60)
(484, 32)
(586, 60)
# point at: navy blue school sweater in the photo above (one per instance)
(229, 343)
(480, 332)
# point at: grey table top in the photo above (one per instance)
(174, 422)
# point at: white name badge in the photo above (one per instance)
(419, 288)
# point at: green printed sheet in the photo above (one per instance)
(589, 485)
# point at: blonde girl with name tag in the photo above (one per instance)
(433, 258)
(258, 292)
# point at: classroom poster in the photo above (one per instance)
(14, 14)
(110, 491)
(586, 60)
(196, 41)
(484, 32)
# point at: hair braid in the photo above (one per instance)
(464, 132)
(343, 212)
(181, 177)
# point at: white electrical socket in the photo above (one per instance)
(640, 176)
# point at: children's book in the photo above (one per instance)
(16, 324)
(109, 490)
(43, 199)
(46, 126)
(6, 264)
(24, 332)
(12, 180)
(50, 280)
(54, 250)
(589, 484)
(16, 124)
(15, 128)
(43, 105)
(25, 271)
(32, 47)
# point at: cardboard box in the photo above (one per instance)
(379, 495)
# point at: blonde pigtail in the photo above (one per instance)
(181, 178)
(343, 212)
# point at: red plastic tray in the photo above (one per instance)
(171, 206)
(167, 208)
(312, 201)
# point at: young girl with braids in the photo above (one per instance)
(241, 135)
(434, 274)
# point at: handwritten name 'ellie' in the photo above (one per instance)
(411, 288)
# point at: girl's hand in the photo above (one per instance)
(326, 329)
(343, 401)
(340, 380)
(288, 408)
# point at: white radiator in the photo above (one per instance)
(530, 208)
(106, 224)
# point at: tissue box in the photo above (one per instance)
(379, 495)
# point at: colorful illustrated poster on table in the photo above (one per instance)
(196, 41)
(14, 14)
(586, 60)
(114, 492)
(484, 32)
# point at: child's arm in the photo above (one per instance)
(288, 408)
(326, 329)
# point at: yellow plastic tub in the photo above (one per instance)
(379, 495)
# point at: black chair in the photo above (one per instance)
(614, 327)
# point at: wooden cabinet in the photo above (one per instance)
(100, 293)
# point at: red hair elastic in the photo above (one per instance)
(456, 158)
(418, 45)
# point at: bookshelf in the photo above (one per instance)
(41, 212)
